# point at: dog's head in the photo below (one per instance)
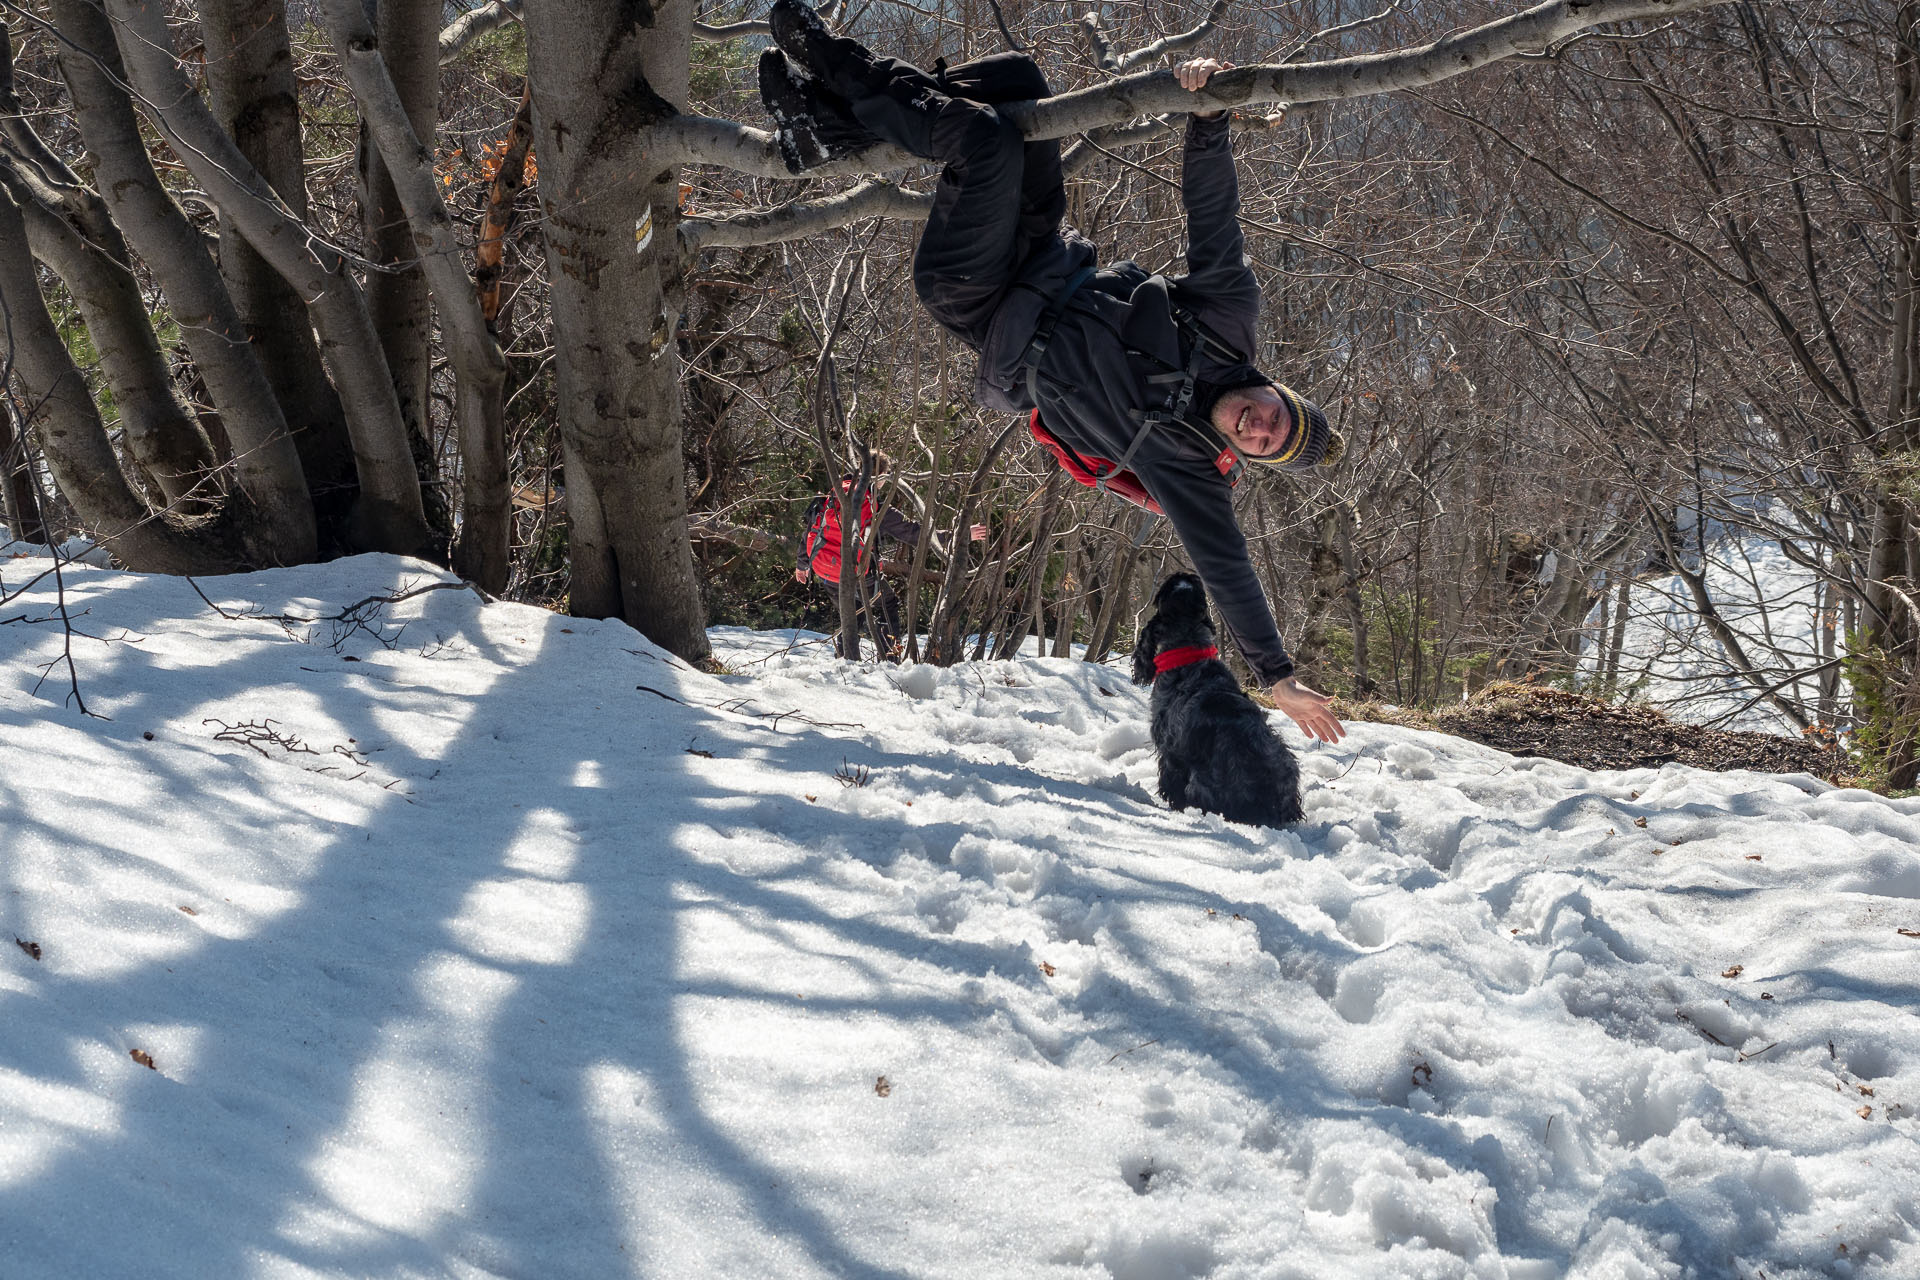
(1179, 621)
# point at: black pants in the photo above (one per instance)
(998, 195)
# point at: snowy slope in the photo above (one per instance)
(556, 958)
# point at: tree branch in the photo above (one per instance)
(1167, 44)
(458, 35)
(700, 140)
(876, 198)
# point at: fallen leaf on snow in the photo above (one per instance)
(1753, 857)
(1047, 969)
(1866, 1090)
(31, 948)
(1732, 971)
(1865, 1113)
(1908, 933)
(144, 1058)
(1640, 822)
(882, 1086)
(189, 910)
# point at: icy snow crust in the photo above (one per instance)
(556, 976)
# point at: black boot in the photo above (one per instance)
(815, 126)
(894, 99)
(800, 33)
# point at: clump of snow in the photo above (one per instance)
(474, 940)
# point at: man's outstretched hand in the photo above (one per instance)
(1308, 710)
(1193, 75)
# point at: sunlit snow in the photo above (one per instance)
(514, 947)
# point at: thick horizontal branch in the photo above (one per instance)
(744, 149)
(696, 139)
(457, 35)
(873, 199)
(731, 30)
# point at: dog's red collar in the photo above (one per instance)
(1168, 659)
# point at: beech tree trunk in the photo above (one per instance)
(399, 301)
(19, 491)
(161, 433)
(279, 526)
(387, 515)
(249, 64)
(603, 73)
(66, 426)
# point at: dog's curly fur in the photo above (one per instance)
(1217, 751)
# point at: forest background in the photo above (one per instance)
(529, 293)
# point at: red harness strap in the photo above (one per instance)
(1169, 659)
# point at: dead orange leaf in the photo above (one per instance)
(144, 1058)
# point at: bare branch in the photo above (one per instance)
(1364, 75)
(1169, 45)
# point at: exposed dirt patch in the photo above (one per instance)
(1528, 720)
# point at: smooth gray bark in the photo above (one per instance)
(162, 435)
(66, 426)
(398, 298)
(604, 74)
(480, 369)
(249, 63)
(388, 515)
(266, 465)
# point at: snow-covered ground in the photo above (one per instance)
(513, 947)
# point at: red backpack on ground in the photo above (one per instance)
(1101, 473)
(822, 537)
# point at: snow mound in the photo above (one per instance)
(437, 938)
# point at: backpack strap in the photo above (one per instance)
(1043, 332)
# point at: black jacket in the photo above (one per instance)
(1118, 331)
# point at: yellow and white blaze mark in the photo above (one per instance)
(643, 232)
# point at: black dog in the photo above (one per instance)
(1217, 751)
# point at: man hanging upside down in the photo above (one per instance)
(1129, 372)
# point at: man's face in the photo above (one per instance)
(1255, 419)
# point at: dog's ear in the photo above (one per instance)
(1145, 651)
